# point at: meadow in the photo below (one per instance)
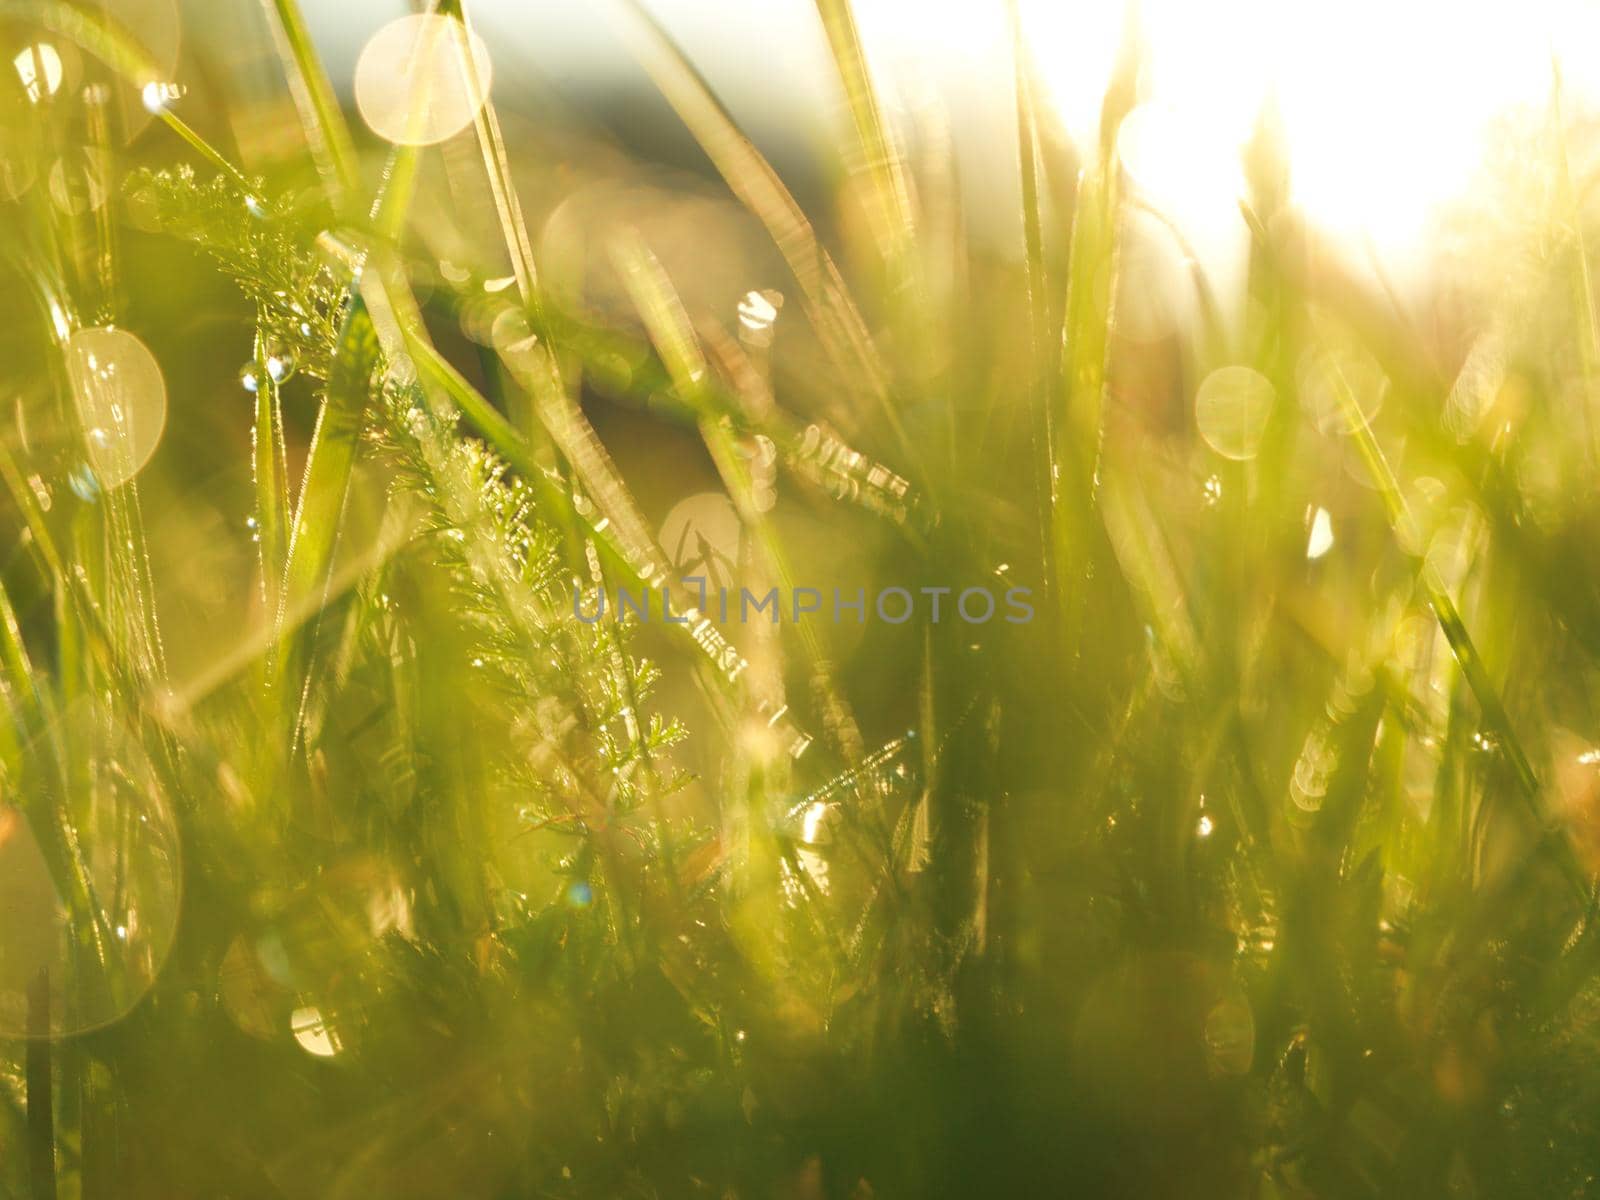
(342, 855)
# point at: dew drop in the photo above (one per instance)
(1232, 408)
(758, 313)
(81, 479)
(512, 336)
(250, 377)
(157, 95)
(281, 361)
(341, 254)
(402, 372)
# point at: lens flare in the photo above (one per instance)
(122, 401)
(422, 79)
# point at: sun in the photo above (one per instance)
(1385, 107)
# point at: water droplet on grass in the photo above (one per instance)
(157, 95)
(758, 313)
(512, 336)
(401, 373)
(84, 485)
(250, 377)
(281, 361)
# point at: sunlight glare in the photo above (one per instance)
(39, 68)
(1386, 106)
(411, 83)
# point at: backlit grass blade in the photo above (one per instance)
(751, 178)
(325, 489)
(674, 336)
(890, 198)
(1075, 454)
(269, 471)
(320, 114)
(1449, 618)
(1028, 161)
(497, 169)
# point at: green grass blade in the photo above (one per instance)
(752, 179)
(890, 206)
(325, 489)
(1449, 617)
(320, 115)
(272, 497)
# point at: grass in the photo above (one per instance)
(338, 859)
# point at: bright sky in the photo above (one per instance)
(1385, 103)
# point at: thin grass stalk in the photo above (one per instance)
(1451, 623)
(669, 326)
(830, 307)
(267, 459)
(320, 115)
(325, 490)
(890, 209)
